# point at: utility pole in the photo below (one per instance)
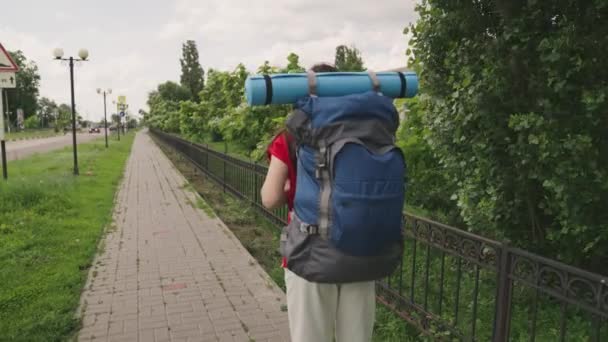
(2, 143)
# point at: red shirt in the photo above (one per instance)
(279, 148)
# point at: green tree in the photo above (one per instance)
(171, 91)
(515, 97)
(428, 186)
(25, 95)
(32, 122)
(164, 104)
(293, 64)
(223, 114)
(114, 119)
(132, 123)
(47, 110)
(348, 59)
(202, 121)
(163, 112)
(64, 117)
(193, 75)
(266, 69)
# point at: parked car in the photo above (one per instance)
(94, 130)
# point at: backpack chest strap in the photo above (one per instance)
(309, 229)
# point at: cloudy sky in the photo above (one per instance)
(136, 44)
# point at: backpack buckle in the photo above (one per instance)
(313, 230)
(309, 229)
(321, 161)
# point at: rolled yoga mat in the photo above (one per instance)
(288, 88)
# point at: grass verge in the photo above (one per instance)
(50, 226)
(261, 239)
(32, 133)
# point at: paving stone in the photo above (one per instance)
(169, 272)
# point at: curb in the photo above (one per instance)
(34, 137)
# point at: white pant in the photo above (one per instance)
(318, 312)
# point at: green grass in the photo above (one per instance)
(50, 226)
(206, 208)
(391, 328)
(31, 133)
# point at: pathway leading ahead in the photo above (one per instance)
(169, 272)
(23, 148)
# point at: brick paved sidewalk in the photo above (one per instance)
(169, 272)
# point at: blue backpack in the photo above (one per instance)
(346, 225)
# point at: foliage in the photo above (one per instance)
(114, 118)
(219, 112)
(193, 75)
(266, 68)
(25, 95)
(223, 115)
(132, 123)
(428, 187)
(515, 102)
(32, 122)
(164, 103)
(172, 91)
(348, 59)
(47, 110)
(64, 118)
(50, 225)
(294, 64)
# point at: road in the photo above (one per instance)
(24, 148)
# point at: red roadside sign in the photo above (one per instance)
(6, 62)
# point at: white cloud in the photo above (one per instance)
(125, 73)
(233, 31)
(134, 50)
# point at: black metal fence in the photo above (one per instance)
(453, 284)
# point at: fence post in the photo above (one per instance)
(207, 158)
(502, 316)
(255, 182)
(224, 159)
(192, 147)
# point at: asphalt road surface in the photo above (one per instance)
(24, 148)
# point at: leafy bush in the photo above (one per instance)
(427, 185)
(32, 122)
(515, 101)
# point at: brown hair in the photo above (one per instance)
(323, 67)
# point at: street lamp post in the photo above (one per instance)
(83, 54)
(105, 117)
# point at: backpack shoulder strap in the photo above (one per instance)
(375, 80)
(299, 126)
(291, 144)
(312, 83)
